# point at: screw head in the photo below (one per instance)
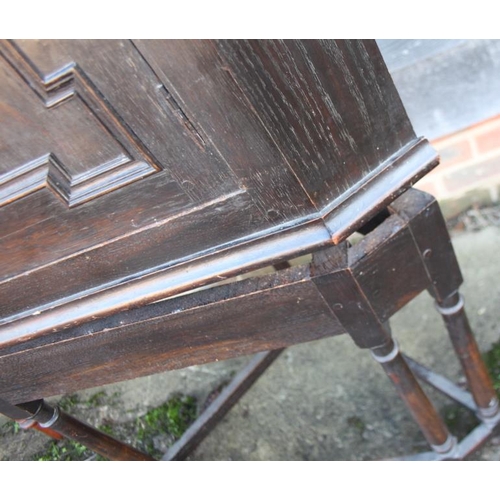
(427, 253)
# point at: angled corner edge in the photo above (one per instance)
(401, 172)
(408, 166)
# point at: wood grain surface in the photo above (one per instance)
(132, 171)
(345, 289)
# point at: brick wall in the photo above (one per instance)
(469, 172)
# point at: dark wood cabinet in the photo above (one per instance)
(131, 171)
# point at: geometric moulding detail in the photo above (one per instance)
(129, 160)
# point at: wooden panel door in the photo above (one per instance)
(134, 170)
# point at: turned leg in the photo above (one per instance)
(422, 410)
(444, 277)
(336, 277)
(57, 424)
(365, 284)
(479, 382)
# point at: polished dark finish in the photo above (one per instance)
(367, 283)
(56, 420)
(136, 171)
(289, 306)
(86, 121)
(442, 384)
(444, 275)
(464, 343)
(354, 289)
(419, 405)
(244, 317)
(476, 438)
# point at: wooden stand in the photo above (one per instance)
(405, 250)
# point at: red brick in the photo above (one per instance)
(428, 186)
(488, 141)
(454, 153)
(480, 173)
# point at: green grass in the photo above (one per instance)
(63, 451)
(357, 423)
(172, 418)
(10, 427)
(67, 403)
(169, 420)
(492, 360)
(459, 419)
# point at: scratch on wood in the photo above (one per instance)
(181, 116)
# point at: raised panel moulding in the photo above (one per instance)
(70, 82)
